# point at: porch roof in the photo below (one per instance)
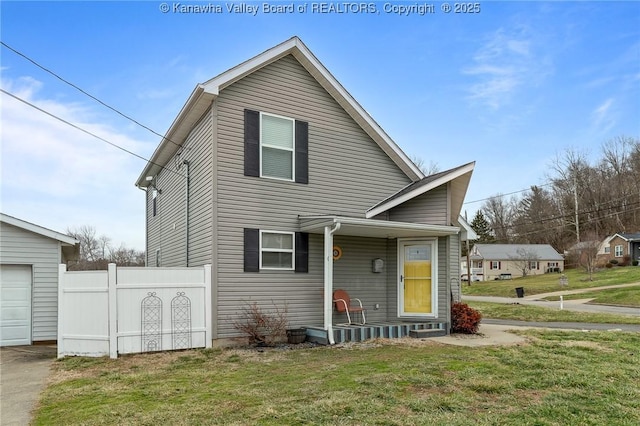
(372, 228)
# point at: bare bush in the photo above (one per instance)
(263, 328)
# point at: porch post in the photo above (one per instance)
(328, 280)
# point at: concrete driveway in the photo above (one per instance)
(23, 371)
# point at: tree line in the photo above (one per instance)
(96, 252)
(582, 201)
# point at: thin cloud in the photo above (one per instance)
(604, 117)
(51, 170)
(503, 67)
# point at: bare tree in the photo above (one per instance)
(96, 252)
(89, 245)
(430, 169)
(586, 256)
(523, 259)
(499, 213)
(584, 198)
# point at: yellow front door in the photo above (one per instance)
(417, 279)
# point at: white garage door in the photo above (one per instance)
(15, 305)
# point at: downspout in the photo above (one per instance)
(146, 225)
(187, 183)
(328, 280)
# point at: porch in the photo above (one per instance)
(390, 330)
(406, 283)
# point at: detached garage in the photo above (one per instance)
(29, 259)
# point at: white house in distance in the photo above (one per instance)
(29, 259)
(505, 261)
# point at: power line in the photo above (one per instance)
(584, 221)
(510, 193)
(87, 94)
(24, 101)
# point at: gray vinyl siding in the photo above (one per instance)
(353, 273)
(443, 278)
(22, 247)
(167, 230)
(430, 208)
(392, 279)
(348, 173)
(454, 268)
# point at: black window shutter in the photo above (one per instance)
(302, 252)
(251, 250)
(251, 143)
(302, 152)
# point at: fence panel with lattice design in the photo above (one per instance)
(132, 310)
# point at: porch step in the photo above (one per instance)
(424, 334)
(360, 333)
(317, 335)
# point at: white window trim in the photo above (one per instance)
(433, 242)
(292, 251)
(495, 263)
(293, 148)
(619, 253)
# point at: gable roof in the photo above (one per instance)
(628, 237)
(36, 229)
(509, 251)
(459, 176)
(205, 93)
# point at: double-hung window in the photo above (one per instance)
(277, 147)
(276, 250)
(618, 251)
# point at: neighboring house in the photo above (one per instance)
(503, 261)
(620, 246)
(29, 259)
(277, 177)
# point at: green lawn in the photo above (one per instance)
(551, 282)
(559, 378)
(541, 314)
(614, 296)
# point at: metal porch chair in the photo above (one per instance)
(345, 304)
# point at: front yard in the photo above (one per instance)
(520, 312)
(557, 378)
(537, 284)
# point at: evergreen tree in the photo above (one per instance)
(482, 227)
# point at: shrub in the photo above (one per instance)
(613, 261)
(464, 319)
(609, 265)
(626, 260)
(263, 328)
(635, 263)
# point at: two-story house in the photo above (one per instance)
(274, 174)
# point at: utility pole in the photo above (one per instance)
(575, 197)
(468, 257)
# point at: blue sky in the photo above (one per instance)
(510, 87)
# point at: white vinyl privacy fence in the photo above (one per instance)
(132, 310)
